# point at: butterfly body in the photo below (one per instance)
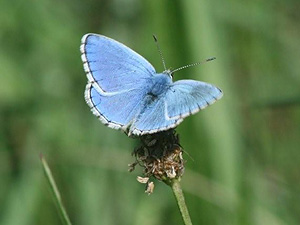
(125, 92)
(160, 84)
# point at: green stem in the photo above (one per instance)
(176, 188)
(55, 192)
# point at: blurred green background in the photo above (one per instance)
(246, 167)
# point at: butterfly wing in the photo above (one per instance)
(153, 118)
(117, 110)
(118, 79)
(182, 99)
(186, 97)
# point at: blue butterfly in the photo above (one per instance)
(125, 92)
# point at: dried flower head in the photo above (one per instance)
(160, 155)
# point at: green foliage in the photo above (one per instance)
(245, 148)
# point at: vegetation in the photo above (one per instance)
(244, 150)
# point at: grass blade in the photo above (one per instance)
(61, 208)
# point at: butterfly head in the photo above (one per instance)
(169, 73)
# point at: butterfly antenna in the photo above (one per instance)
(193, 64)
(160, 53)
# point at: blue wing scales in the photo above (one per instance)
(114, 110)
(186, 97)
(118, 79)
(182, 99)
(119, 83)
(153, 118)
(112, 65)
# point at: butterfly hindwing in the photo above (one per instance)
(116, 110)
(153, 118)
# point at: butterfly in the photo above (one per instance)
(125, 92)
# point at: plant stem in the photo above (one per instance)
(176, 188)
(55, 192)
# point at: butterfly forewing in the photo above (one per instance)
(186, 97)
(112, 65)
